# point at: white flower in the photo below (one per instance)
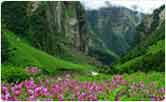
(94, 73)
(59, 78)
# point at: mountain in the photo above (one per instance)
(58, 28)
(66, 31)
(50, 26)
(51, 51)
(150, 23)
(149, 51)
(115, 27)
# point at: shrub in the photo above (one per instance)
(105, 69)
(13, 74)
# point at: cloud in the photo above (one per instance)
(144, 6)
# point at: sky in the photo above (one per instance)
(144, 6)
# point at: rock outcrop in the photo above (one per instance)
(150, 23)
(64, 24)
(115, 26)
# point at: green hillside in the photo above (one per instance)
(25, 55)
(146, 56)
(64, 51)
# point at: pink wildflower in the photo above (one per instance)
(33, 70)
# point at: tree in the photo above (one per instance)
(14, 16)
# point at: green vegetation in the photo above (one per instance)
(159, 46)
(136, 77)
(77, 57)
(156, 77)
(142, 47)
(49, 47)
(152, 60)
(146, 56)
(16, 20)
(6, 50)
(25, 55)
(10, 73)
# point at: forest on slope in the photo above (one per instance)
(62, 44)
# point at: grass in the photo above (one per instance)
(99, 78)
(128, 65)
(26, 55)
(10, 73)
(153, 52)
(157, 77)
(159, 45)
(77, 57)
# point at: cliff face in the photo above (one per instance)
(115, 26)
(64, 24)
(150, 48)
(150, 23)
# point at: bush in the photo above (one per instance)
(106, 69)
(13, 74)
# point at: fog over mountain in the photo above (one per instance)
(137, 5)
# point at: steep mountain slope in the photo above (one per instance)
(115, 26)
(58, 28)
(50, 26)
(154, 31)
(150, 51)
(150, 23)
(99, 50)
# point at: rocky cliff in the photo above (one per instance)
(64, 24)
(149, 50)
(115, 26)
(50, 26)
(150, 23)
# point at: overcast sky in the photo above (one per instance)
(145, 6)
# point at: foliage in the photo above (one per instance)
(142, 47)
(39, 32)
(37, 29)
(146, 56)
(152, 60)
(77, 57)
(30, 22)
(15, 20)
(105, 69)
(6, 50)
(26, 55)
(10, 73)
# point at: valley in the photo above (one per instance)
(61, 51)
